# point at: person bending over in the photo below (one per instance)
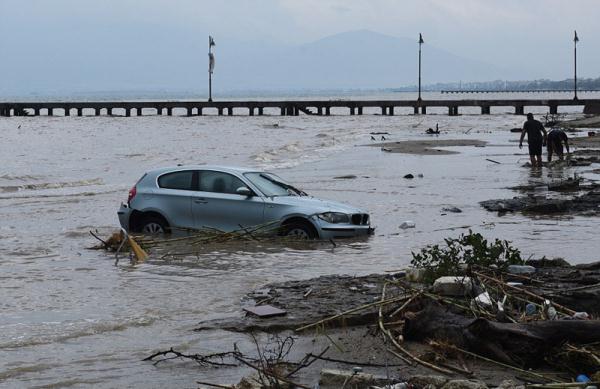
(536, 138)
(556, 138)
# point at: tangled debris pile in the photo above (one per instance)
(487, 310)
(184, 243)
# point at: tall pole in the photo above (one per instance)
(575, 40)
(420, 43)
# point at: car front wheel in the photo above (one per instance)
(301, 231)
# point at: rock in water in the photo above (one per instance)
(452, 209)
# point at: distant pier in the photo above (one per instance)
(457, 91)
(283, 108)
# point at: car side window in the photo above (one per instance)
(177, 180)
(219, 182)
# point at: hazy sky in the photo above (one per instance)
(531, 33)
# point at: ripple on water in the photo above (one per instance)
(31, 334)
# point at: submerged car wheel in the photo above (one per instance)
(301, 231)
(154, 225)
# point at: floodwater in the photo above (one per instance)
(70, 318)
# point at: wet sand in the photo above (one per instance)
(428, 147)
(588, 122)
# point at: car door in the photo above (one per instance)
(216, 204)
(173, 198)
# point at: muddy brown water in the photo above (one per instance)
(71, 318)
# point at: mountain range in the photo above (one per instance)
(172, 62)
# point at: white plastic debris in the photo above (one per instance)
(521, 269)
(407, 224)
(484, 300)
(581, 315)
(453, 286)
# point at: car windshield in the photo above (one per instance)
(271, 185)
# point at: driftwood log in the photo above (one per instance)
(513, 343)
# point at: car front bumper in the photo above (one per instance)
(336, 231)
(124, 212)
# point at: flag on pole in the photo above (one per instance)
(211, 41)
(576, 39)
(421, 41)
(211, 62)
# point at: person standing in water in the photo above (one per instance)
(556, 138)
(536, 138)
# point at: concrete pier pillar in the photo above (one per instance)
(169, 111)
(159, 111)
(97, 111)
(450, 111)
(127, 112)
(109, 111)
(554, 109)
(200, 113)
(79, 111)
(50, 111)
(383, 111)
(230, 111)
(220, 111)
(352, 111)
(282, 110)
(36, 112)
(391, 111)
(188, 111)
(327, 111)
(519, 110)
(260, 111)
(424, 110)
(251, 111)
(320, 110)
(67, 111)
(139, 112)
(360, 110)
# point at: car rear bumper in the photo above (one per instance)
(124, 212)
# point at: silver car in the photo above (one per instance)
(228, 198)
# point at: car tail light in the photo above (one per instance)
(132, 193)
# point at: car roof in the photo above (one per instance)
(226, 169)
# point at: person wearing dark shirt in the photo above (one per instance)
(536, 138)
(556, 138)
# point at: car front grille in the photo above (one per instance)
(360, 219)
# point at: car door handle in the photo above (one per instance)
(200, 201)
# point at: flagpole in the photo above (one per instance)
(575, 40)
(209, 70)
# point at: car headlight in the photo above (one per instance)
(334, 217)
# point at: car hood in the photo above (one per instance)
(312, 205)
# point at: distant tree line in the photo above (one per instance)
(502, 85)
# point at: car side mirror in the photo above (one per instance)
(244, 191)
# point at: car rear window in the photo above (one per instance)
(177, 180)
(219, 182)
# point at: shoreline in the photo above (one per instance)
(355, 336)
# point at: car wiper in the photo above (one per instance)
(285, 186)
